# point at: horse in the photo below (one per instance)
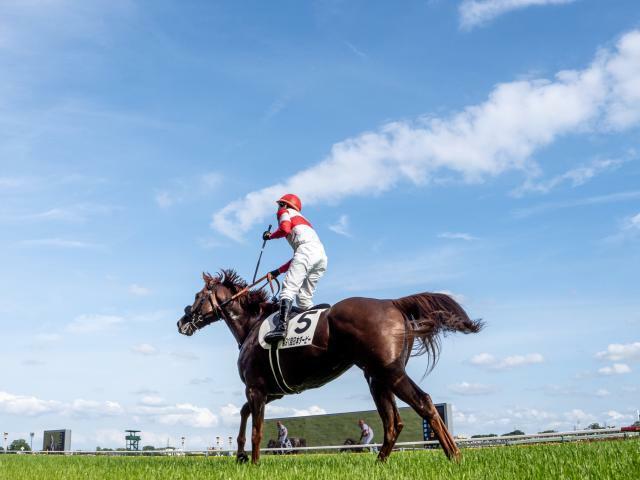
(293, 443)
(351, 441)
(377, 336)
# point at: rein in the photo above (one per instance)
(246, 289)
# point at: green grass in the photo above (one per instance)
(597, 460)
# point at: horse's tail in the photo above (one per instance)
(431, 315)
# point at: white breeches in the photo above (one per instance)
(367, 440)
(307, 266)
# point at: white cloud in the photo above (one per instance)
(615, 416)
(341, 227)
(230, 414)
(93, 323)
(466, 388)
(184, 356)
(152, 400)
(629, 230)
(201, 381)
(481, 141)
(356, 50)
(602, 392)
(278, 411)
(488, 360)
(74, 213)
(617, 351)
(483, 359)
(596, 200)
(575, 177)
(185, 414)
(24, 405)
(144, 349)
(58, 243)
(457, 236)
(139, 290)
(478, 12)
(210, 181)
(578, 415)
(93, 408)
(164, 199)
(615, 369)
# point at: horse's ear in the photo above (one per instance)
(206, 277)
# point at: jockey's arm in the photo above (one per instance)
(280, 269)
(285, 267)
(284, 225)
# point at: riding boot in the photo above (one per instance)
(280, 330)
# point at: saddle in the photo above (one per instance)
(295, 310)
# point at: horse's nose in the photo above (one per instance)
(181, 324)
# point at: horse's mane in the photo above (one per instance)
(229, 278)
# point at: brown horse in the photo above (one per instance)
(378, 336)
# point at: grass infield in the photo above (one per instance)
(593, 460)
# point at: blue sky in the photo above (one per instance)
(484, 148)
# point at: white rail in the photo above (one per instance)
(556, 437)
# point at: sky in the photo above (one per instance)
(483, 148)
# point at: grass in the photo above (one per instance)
(596, 460)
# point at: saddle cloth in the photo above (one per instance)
(300, 330)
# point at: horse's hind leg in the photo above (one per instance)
(391, 422)
(421, 402)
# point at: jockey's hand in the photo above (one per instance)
(266, 235)
(274, 273)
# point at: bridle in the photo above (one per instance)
(198, 320)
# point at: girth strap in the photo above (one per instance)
(274, 362)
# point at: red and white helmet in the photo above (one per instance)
(291, 200)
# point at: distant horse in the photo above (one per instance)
(293, 443)
(378, 336)
(351, 441)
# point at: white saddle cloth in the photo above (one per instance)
(300, 330)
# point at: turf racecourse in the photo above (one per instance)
(596, 460)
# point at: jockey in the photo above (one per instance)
(308, 264)
(283, 434)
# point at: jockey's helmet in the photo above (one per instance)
(291, 200)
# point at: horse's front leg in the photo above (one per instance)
(256, 399)
(241, 455)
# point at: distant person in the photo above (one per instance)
(366, 433)
(283, 434)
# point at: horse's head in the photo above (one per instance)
(206, 307)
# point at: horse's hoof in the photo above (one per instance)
(382, 458)
(242, 457)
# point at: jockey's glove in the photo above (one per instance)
(274, 273)
(266, 235)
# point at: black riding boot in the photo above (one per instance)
(280, 330)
